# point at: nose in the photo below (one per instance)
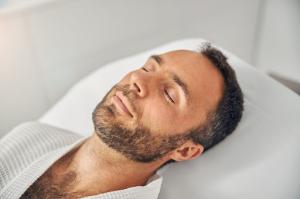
(138, 83)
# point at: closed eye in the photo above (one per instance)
(167, 94)
(145, 69)
(169, 97)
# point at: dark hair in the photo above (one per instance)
(225, 118)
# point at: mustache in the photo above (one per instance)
(125, 89)
(129, 94)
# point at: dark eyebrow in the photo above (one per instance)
(158, 59)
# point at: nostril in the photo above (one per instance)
(139, 90)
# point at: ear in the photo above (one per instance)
(188, 151)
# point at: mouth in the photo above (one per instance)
(122, 104)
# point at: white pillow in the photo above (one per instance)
(259, 160)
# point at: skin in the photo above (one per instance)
(157, 117)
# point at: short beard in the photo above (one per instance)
(139, 143)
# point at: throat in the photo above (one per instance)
(91, 169)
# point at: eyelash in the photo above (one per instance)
(169, 97)
(167, 94)
(145, 69)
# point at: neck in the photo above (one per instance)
(102, 169)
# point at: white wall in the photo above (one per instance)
(46, 49)
(22, 95)
(278, 48)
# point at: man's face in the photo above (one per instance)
(164, 99)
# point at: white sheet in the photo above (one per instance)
(259, 160)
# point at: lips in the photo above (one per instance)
(122, 103)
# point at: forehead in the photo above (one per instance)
(202, 78)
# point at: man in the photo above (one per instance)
(173, 108)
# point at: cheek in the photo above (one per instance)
(159, 116)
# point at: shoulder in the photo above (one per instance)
(28, 142)
(35, 132)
